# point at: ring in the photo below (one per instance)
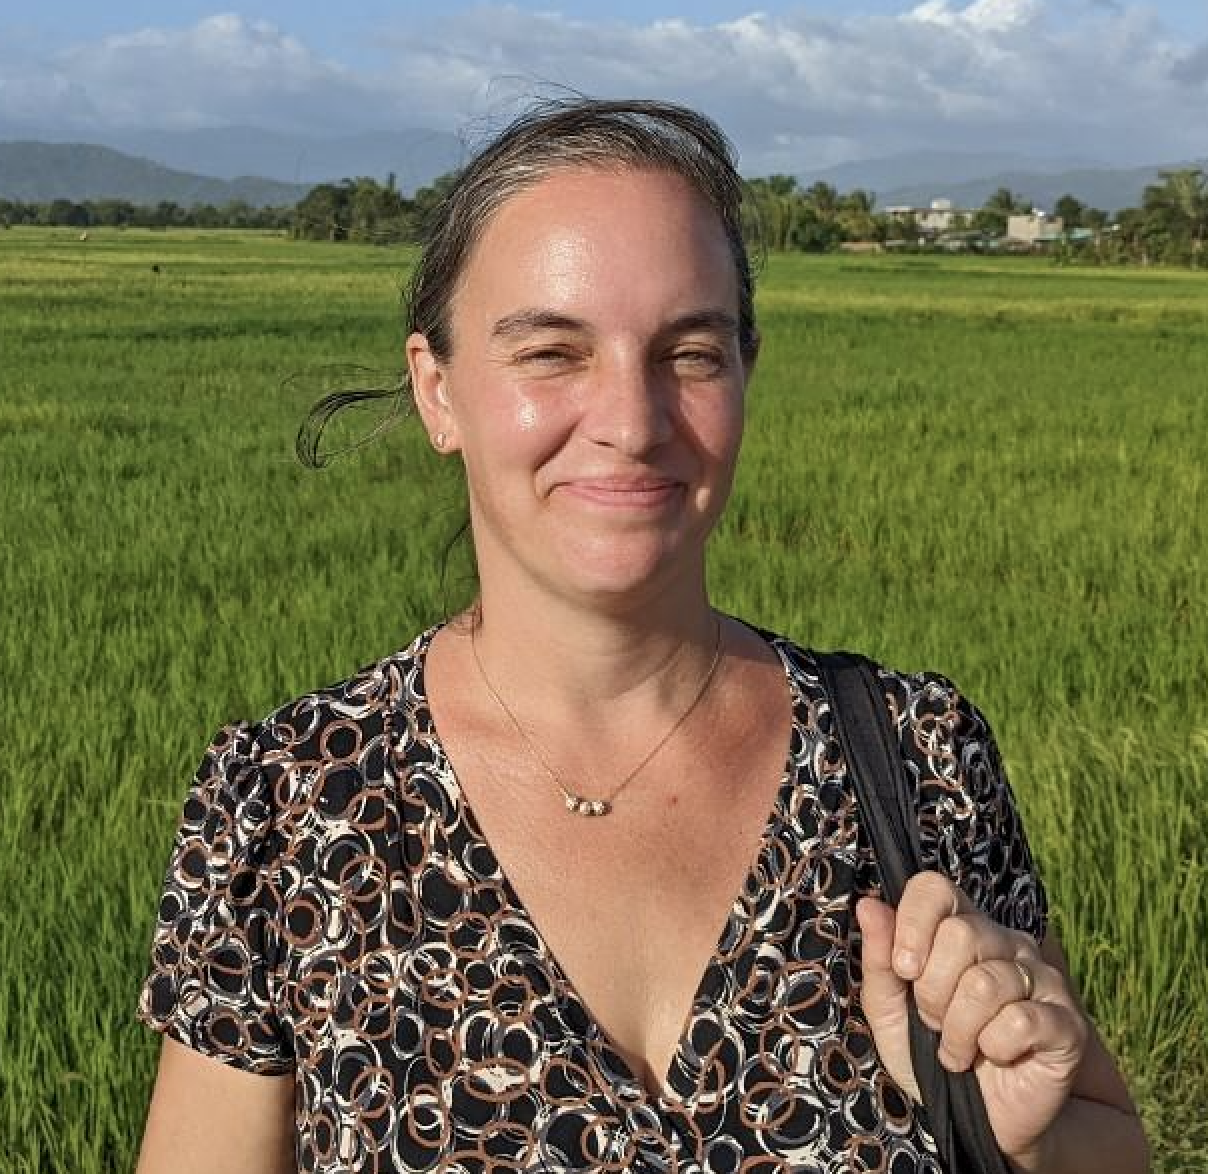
(1029, 980)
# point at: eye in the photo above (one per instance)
(698, 362)
(546, 356)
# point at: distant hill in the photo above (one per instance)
(216, 164)
(415, 157)
(923, 168)
(38, 172)
(969, 179)
(1111, 189)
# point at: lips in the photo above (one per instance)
(623, 493)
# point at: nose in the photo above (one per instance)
(630, 406)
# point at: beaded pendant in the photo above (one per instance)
(586, 807)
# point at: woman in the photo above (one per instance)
(462, 911)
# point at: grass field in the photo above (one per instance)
(995, 468)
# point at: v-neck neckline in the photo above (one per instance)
(486, 853)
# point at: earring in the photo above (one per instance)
(438, 441)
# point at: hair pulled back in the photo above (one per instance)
(555, 135)
(561, 135)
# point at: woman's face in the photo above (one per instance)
(595, 389)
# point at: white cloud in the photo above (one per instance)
(222, 70)
(980, 17)
(794, 90)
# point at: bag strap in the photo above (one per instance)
(953, 1102)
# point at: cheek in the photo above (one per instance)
(493, 407)
(719, 430)
(514, 428)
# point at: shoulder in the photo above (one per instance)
(932, 716)
(340, 721)
(908, 692)
(970, 827)
(329, 722)
(314, 755)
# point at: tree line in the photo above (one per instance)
(362, 210)
(1169, 226)
(117, 213)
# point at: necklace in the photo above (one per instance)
(576, 804)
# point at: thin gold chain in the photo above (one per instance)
(576, 804)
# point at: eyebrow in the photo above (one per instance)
(530, 321)
(716, 321)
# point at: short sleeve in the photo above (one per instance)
(970, 826)
(216, 945)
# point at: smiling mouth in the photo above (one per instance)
(648, 493)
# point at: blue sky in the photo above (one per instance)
(348, 29)
(818, 80)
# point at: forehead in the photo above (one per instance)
(596, 235)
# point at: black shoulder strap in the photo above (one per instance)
(861, 721)
(953, 1101)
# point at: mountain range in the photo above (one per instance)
(266, 167)
(40, 172)
(968, 179)
(1111, 189)
(415, 157)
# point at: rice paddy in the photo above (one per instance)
(997, 468)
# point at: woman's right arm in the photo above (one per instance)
(224, 1099)
(206, 1115)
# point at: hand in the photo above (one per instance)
(969, 982)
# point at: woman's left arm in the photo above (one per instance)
(1005, 1008)
(1099, 1105)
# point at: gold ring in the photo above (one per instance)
(1029, 980)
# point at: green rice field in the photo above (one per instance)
(996, 468)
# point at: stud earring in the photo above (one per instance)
(438, 441)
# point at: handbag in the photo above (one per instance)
(952, 1101)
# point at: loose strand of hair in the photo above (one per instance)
(308, 443)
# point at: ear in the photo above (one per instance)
(430, 388)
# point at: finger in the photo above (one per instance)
(927, 900)
(961, 944)
(884, 994)
(984, 991)
(876, 920)
(1053, 1033)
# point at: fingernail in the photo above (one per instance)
(907, 963)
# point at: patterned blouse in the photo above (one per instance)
(331, 909)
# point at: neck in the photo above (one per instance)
(559, 658)
(598, 805)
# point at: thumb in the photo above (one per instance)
(883, 994)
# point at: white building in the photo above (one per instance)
(1034, 227)
(940, 216)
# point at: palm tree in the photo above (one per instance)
(1182, 200)
(823, 198)
(993, 215)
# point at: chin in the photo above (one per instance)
(619, 571)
